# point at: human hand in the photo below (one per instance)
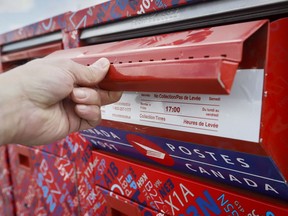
(46, 99)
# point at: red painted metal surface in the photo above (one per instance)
(275, 118)
(196, 61)
(175, 195)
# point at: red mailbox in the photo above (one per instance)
(198, 97)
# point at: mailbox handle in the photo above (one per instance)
(118, 207)
(204, 76)
(24, 161)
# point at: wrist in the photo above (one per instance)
(9, 108)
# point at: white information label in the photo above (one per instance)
(234, 116)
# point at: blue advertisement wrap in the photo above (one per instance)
(234, 168)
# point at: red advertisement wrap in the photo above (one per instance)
(56, 23)
(173, 195)
(6, 193)
(275, 117)
(43, 184)
(115, 10)
(77, 150)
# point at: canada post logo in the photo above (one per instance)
(150, 149)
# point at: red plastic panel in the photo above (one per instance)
(202, 61)
(6, 193)
(43, 184)
(175, 195)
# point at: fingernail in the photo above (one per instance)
(117, 94)
(79, 93)
(103, 62)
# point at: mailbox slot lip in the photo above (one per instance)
(32, 42)
(34, 52)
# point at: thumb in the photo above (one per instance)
(90, 75)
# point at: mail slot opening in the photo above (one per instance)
(24, 160)
(119, 207)
(17, 57)
(115, 212)
(10, 65)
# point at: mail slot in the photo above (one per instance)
(14, 59)
(226, 137)
(32, 41)
(18, 57)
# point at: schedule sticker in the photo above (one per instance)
(235, 116)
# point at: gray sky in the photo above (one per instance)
(18, 13)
